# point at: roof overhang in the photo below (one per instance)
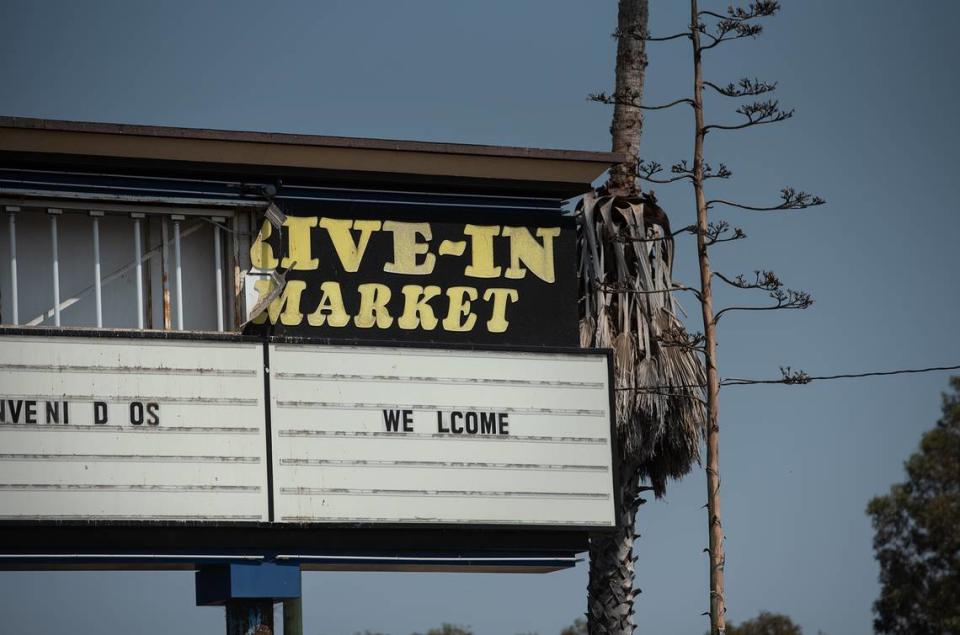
(559, 170)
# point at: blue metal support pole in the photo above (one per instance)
(250, 617)
(249, 591)
(293, 617)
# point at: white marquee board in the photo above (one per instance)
(131, 429)
(412, 435)
(145, 429)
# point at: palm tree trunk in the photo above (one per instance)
(625, 279)
(627, 123)
(610, 589)
(611, 592)
(625, 282)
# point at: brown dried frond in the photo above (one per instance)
(659, 430)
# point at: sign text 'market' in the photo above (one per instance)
(312, 243)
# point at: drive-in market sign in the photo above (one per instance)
(361, 271)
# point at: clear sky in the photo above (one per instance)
(875, 133)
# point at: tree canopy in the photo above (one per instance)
(917, 535)
(449, 629)
(765, 624)
(579, 627)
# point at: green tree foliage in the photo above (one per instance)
(579, 627)
(765, 624)
(917, 535)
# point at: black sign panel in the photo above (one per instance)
(418, 272)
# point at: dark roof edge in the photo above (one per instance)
(27, 123)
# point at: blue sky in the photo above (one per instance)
(875, 134)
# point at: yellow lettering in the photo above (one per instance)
(406, 249)
(498, 319)
(261, 252)
(416, 308)
(286, 306)
(350, 252)
(481, 251)
(452, 247)
(525, 249)
(300, 251)
(330, 309)
(460, 307)
(373, 306)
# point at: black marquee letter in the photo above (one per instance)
(136, 413)
(99, 412)
(456, 414)
(391, 419)
(153, 409)
(440, 427)
(472, 425)
(488, 423)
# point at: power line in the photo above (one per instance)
(791, 378)
(803, 378)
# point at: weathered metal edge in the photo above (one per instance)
(362, 143)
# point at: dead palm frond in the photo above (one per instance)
(626, 305)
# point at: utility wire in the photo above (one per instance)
(791, 378)
(802, 378)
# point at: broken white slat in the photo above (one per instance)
(139, 260)
(56, 264)
(13, 264)
(218, 265)
(176, 264)
(97, 290)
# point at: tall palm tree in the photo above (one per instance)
(626, 305)
(625, 282)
